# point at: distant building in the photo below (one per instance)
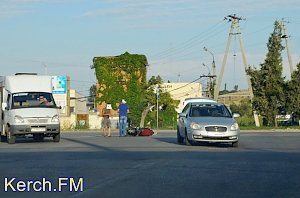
(181, 91)
(78, 103)
(121, 72)
(234, 98)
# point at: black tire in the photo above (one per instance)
(11, 139)
(3, 138)
(179, 137)
(235, 144)
(38, 137)
(187, 141)
(56, 138)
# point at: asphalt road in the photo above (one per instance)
(264, 165)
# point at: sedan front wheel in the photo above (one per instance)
(235, 144)
(187, 141)
(179, 137)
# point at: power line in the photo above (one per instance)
(80, 81)
(183, 52)
(185, 84)
(185, 45)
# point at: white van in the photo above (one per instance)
(28, 108)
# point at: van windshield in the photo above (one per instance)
(32, 99)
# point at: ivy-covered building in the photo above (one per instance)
(120, 77)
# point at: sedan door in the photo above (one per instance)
(182, 120)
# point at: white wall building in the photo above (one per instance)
(77, 103)
(181, 91)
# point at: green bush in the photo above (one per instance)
(80, 125)
(246, 121)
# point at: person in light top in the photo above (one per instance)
(106, 124)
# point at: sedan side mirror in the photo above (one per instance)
(182, 115)
(236, 115)
(4, 106)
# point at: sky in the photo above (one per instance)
(61, 37)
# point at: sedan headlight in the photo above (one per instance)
(195, 125)
(234, 127)
(55, 118)
(19, 119)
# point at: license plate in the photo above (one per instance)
(216, 134)
(38, 129)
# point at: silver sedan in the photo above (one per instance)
(207, 122)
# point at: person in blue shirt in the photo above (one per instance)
(123, 110)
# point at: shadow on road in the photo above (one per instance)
(173, 140)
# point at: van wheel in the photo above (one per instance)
(11, 139)
(179, 137)
(56, 138)
(3, 138)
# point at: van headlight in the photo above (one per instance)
(19, 119)
(234, 127)
(195, 125)
(55, 118)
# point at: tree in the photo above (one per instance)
(167, 115)
(292, 92)
(268, 83)
(124, 76)
(236, 88)
(244, 108)
(92, 93)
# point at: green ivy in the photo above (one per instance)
(122, 77)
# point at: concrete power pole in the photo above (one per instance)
(214, 73)
(235, 25)
(285, 37)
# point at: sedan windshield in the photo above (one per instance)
(209, 110)
(32, 99)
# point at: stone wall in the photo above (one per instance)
(94, 122)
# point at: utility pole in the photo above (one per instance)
(209, 83)
(178, 78)
(157, 98)
(235, 25)
(214, 73)
(46, 69)
(285, 37)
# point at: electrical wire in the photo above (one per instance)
(185, 45)
(183, 52)
(185, 85)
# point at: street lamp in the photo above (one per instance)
(209, 84)
(209, 71)
(213, 62)
(214, 72)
